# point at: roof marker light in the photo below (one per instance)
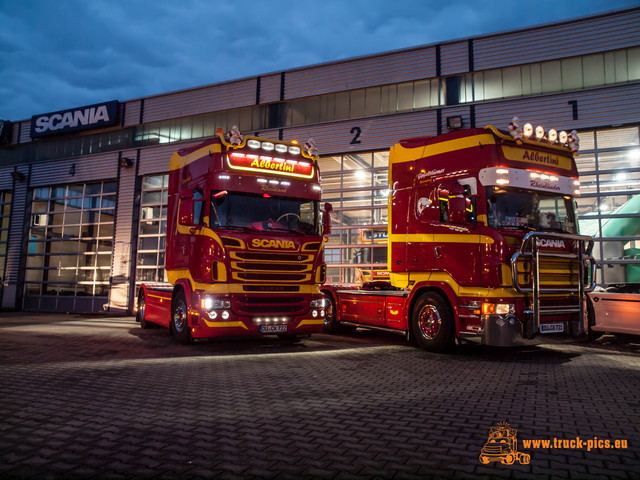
(268, 146)
(294, 150)
(253, 143)
(563, 137)
(527, 130)
(552, 136)
(280, 148)
(539, 132)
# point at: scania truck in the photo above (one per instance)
(244, 249)
(483, 241)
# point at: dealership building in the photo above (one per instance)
(83, 191)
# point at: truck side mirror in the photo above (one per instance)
(326, 219)
(185, 212)
(457, 210)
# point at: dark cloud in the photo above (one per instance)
(57, 55)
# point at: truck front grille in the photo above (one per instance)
(268, 267)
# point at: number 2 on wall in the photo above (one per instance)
(356, 132)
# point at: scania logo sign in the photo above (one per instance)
(277, 244)
(83, 118)
(545, 242)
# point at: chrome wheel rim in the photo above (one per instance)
(180, 317)
(429, 322)
(142, 308)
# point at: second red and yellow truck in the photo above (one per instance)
(483, 241)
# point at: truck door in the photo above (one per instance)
(456, 240)
(423, 216)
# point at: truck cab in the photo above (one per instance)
(245, 250)
(483, 241)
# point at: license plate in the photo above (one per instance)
(273, 329)
(551, 327)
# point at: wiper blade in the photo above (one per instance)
(282, 229)
(238, 227)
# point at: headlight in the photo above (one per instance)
(210, 303)
(498, 308)
(318, 303)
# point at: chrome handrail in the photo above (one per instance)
(530, 248)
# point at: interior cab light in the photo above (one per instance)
(253, 143)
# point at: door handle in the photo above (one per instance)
(438, 251)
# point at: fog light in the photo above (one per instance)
(225, 315)
(213, 315)
(322, 313)
(314, 313)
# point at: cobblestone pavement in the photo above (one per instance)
(98, 397)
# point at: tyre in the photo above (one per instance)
(432, 323)
(179, 319)
(484, 459)
(591, 321)
(331, 325)
(142, 310)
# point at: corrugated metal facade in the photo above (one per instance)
(607, 32)
(359, 73)
(454, 58)
(621, 103)
(75, 170)
(15, 243)
(206, 99)
(270, 88)
(123, 248)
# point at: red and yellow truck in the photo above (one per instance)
(244, 251)
(482, 241)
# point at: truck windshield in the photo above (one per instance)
(259, 212)
(523, 209)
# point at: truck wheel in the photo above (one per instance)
(591, 320)
(432, 323)
(484, 459)
(331, 325)
(141, 312)
(179, 319)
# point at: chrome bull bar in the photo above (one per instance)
(580, 253)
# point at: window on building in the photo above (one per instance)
(152, 229)
(70, 246)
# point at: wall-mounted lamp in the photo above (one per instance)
(454, 123)
(126, 162)
(18, 176)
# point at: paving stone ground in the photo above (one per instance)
(98, 397)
